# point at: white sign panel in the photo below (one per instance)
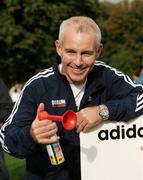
(112, 151)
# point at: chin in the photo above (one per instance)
(77, 81)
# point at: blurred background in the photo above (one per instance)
(29, 28)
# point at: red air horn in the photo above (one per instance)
(68, 119)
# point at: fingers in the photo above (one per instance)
(48, 137)
(46, 131)
(87, 119)
(81, 126)
(43, 131)
(82, 122)
(50, 140)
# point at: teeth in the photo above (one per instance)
(76, 69)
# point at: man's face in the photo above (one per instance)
(78, 52)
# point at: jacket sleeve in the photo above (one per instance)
(6, 103)
(15, 133)
(125, 100)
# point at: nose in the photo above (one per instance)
(78, 60)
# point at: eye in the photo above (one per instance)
(87, 53)
(70, 51)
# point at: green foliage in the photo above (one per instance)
(22, 41)
(124, 36)
(29, 28)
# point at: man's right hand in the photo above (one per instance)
(43, 132)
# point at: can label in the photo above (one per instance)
(55, 153)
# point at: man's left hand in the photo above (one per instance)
(88, 118)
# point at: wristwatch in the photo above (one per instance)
(104, 112)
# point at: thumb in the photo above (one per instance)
(40, 108)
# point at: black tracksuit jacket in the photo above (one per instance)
(105, 85)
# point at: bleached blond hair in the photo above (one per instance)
(81, 24)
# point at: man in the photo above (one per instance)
(79, 82)
(5, 110)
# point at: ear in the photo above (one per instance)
(99, 50)
(58, 47)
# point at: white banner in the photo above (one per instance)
(112, 151)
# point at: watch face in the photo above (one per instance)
(104, 113)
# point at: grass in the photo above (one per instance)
(16, 167)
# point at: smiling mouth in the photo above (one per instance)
(78, 70)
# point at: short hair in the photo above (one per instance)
(82, 24)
